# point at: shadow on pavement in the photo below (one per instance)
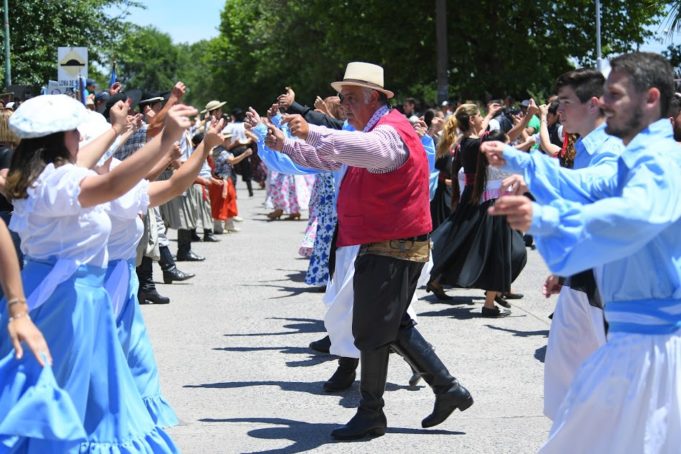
(348, 398)
(314, 359)
(299, 325)
(292, 291)
(455, 300)
(308, 436)
(459, 313)
(518, 333)
(540, 354)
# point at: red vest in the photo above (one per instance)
(375, 207)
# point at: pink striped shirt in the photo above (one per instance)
(379, 151)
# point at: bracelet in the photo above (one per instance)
(19, 315)
(14, 301)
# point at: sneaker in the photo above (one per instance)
(238, 219)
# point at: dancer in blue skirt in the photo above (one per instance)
(121, 280)
(60, 214)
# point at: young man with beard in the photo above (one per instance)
(624, 223)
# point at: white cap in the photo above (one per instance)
(47, 114)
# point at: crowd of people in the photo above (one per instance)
(397, 198)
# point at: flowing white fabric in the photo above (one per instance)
(339, 299)
(577, 330)
(624, 399)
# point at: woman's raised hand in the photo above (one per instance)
(177, 121)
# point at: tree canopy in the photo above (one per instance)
(495, 47)
(39, 27)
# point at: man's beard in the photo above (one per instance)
(634, 123)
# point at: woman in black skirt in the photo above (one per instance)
(441, 205)
(472, 249)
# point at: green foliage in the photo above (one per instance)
(147, 58)
(496, 47)
(39, 27)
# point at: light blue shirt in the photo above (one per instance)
(627, 226)
(548, 181)
(279, 162)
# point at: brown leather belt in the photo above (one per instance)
(412, 249)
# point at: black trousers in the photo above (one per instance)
(383, 289)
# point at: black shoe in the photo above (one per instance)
(344, 376)
(152, 296)
(321, 345)
(363, 424)
(502, 302)
(210, 238)
(173, 274)
(512, 296)
(189, 256)
(437, 291)
(495, 313)
(369, 421)
(446, 403)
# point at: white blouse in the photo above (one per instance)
(52, 224)
(127, 226)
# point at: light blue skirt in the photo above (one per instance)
(134, 339)
(92, 377)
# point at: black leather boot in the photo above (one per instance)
(147, 291)
(184, 247)
(369, 419)
(195, 236)
(449, 394)
(208, 236)
(170, 271)
(152, 296)
(344, 376)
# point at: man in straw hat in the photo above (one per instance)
(383, 206)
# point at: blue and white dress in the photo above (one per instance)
(122, 284)
(91, 403)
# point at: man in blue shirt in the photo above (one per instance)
(578, 326)
(625, 224)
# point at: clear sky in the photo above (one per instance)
(194, 20)
(186, 21)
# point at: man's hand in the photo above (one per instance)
(494, 151)
(178, 91)
(420, 127)
(532, 108)
(177, 121)
(514, 185)
(297, 125)
(516, 208)
(118, 116)
(285, 100)
(213, 136)
(275, 138)
(252, 118)
(552, 286)
(115, 88)
(493, 108)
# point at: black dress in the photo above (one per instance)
(472, 249)
(441, 205)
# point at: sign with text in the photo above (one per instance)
(72, 63)
(62, 87)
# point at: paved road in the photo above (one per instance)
(234, 363)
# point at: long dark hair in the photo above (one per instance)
(30, 159)
(481, 165)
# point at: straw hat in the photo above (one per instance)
(47, 114)
(365, 75)
(212, 105)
